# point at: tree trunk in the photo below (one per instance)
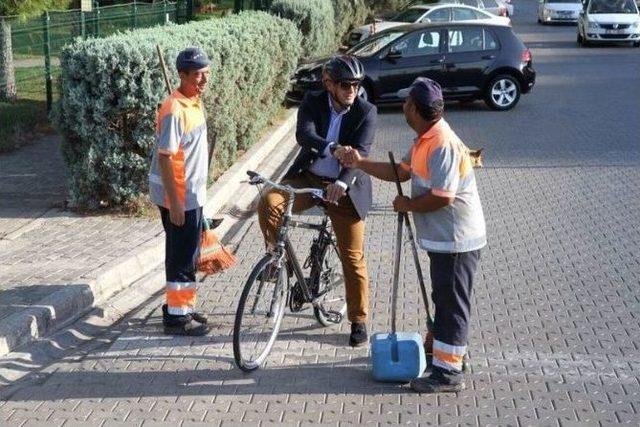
(7, 71)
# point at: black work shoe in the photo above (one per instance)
(359, 335)
(171, 319)
(432, 384)
(189, 328)
(199, 317)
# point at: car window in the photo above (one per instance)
(473, 3)
(470, 40)
(373, 44)
(439, 15)
(490, 3)
(419, 43)
(612, 6)
(410, 15)
(490, 41)
(482, 15)
(462, 14)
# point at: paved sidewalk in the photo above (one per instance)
(556, 317)
(56, 264)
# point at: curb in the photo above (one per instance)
(67, 305)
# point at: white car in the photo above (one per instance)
(603, 21)
(427, 13)
(558, 11)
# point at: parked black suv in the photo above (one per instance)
(469, 60)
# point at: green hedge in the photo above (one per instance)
(315, 18)
(349, 14)
(388, 6)
(111, 87)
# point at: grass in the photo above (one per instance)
(23, 120)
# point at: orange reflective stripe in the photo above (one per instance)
(177, 162)
(447, 357)
(181, 298)
(439, 135)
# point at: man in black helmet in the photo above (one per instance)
(329, 120)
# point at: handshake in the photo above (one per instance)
(348, 157)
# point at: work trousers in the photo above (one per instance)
(452, 283)
(182, 246)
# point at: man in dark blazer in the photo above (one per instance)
(328, 121)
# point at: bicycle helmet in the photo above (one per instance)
(344, 68)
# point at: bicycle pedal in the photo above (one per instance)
(333, 316)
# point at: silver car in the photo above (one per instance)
(558, 11)
(442, 12)
(606, 21)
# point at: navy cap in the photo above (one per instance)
(191, 59)
(423, 90)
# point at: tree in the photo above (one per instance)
(27, 8)
(7, 74)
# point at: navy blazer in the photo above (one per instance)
(356, 130)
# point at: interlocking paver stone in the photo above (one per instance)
(555, 333)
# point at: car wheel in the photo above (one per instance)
(364, 92)
(636, 44)
(579, 39)
(503, 92)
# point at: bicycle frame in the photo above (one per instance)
(284, 246)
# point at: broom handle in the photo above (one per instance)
(396, 273)
(414, 249)
(163, 67)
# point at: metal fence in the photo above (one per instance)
(37, 42)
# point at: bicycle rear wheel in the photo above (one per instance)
(259, 314)
(328, 284)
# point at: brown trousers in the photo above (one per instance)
(349, 230)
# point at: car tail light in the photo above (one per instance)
(502, 11)
(526, 55)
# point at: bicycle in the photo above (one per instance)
(269, 290)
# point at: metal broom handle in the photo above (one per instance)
(416, 258)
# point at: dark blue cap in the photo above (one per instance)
(423, 91)
(191, 59)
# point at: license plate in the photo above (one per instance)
(614, 31)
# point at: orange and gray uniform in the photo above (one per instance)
(182, 135)
(453, 235)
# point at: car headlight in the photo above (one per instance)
(635, 25)
(546, 11)
(593, 25)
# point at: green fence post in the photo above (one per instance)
(83, 31)
(165, 15)
(134, 15)
(96, 22)
(47, 58)
(190, 7)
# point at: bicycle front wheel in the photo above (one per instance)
(259, 313)
(328, 282)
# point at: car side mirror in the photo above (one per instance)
(425, 20)
(393, 54)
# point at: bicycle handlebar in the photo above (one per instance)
(256, 178)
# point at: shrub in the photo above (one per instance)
(111, 87)
(388, 7)
(349, 14)
(315, 19)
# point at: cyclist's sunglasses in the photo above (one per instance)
(346, 85)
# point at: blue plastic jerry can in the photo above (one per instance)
(397, 357)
